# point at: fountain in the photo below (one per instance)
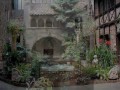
(60, 73)
(58, 67)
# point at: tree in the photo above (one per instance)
(66, 12)
(14, 29)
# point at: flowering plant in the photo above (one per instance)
(108, 42)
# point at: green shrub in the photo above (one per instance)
(89, 72)
(96, 72)
(36, 63)
(102, 73)
(25, 71)
(106, 57)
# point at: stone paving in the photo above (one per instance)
(107, 86)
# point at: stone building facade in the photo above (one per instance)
(107, 17)
(5, 12)
(43, 33)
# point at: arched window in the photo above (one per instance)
(33, 22)
(40, 23)
(48, 23)
(56, 23)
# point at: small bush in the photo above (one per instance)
(25, 71)
(106, 57)
(90, 72)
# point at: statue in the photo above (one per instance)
(95, 60)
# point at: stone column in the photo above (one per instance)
(113, 37)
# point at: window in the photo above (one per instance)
(40, 23)
(33, 22)
(12, 4)
(56, 23)
(105, 39)
(106, 4)
(101, 6)
(48, 23)
(96, 11)
(111, 3)
(18, 39)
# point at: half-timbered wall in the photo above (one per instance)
(107, 14)
(117, 1)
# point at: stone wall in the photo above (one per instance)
(5, 12)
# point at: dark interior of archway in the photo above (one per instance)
(49, 40)
(49, 46)
(47, 51)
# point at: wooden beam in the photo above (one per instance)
(110, 23)
(110, 9)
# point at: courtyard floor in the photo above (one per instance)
(106, 86)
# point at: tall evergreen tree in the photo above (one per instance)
(66, 12)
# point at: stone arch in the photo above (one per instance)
(40, 22)
(33, 22)
(49, 46)
(48, 22)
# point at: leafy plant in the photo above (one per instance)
(106, 57)
(14, 29)
(74, 51)
(13, 58)
(90, 72)
(43, 82)
(25, 71)
(103, 72)
(37, 60)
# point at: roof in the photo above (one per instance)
(45, 8)
(41, 9)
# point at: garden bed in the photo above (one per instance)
(64, 83)
(9, 81)
(61, 78)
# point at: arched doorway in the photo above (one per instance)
(49, 46)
